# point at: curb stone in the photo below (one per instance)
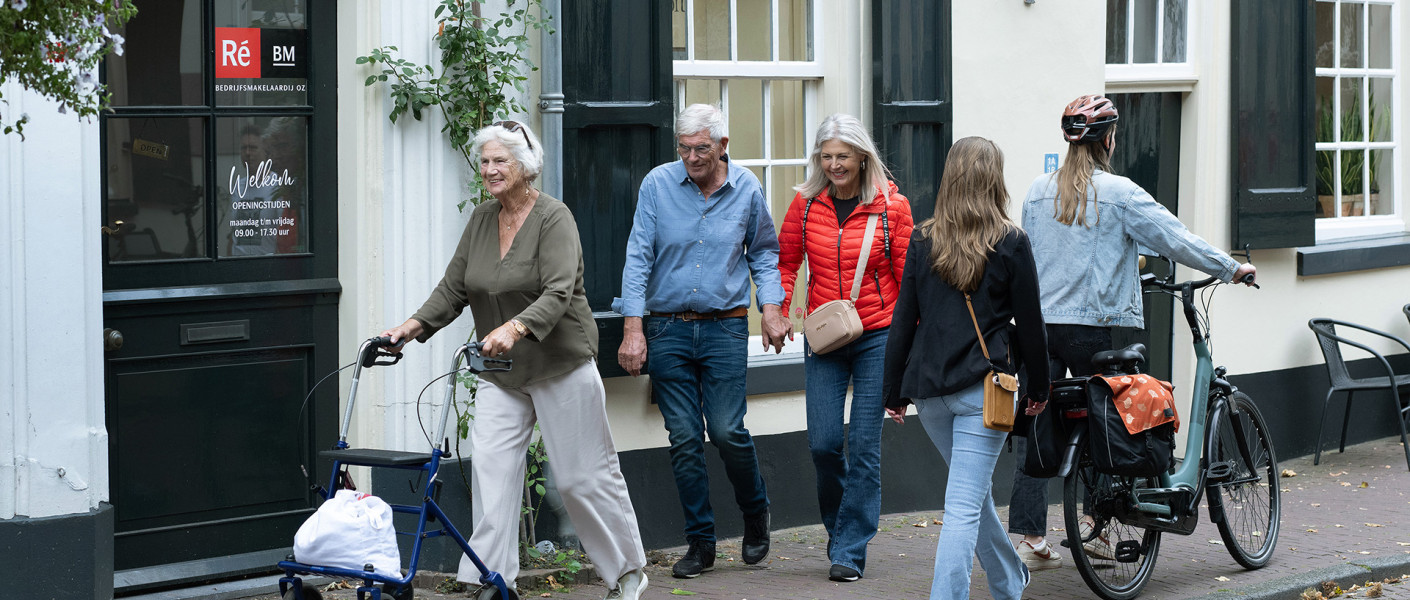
(1358, 572)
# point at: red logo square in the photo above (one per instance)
(237, 53)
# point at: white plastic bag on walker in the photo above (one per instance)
(348, 531)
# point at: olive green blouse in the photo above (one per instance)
(539, 281)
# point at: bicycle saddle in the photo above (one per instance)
(1124, 359)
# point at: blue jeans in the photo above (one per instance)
(697, 377)
(849, 483)
(1070, 348)
(955, 424)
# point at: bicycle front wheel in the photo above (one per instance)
(1115, 559)
(1243, 484)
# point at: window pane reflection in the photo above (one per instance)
(162, 59)
(711, 30)
(755, 32)
(795, 30)
(262, 196)
(155, 188)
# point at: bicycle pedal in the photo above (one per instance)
(1220, 471)
(1128, 551)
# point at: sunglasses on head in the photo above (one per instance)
(516, 126)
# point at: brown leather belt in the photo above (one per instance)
(691, 315)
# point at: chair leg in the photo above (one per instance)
(1322, 426)
(1345, 421)
(1401, 421)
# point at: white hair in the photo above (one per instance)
(522, 144)
(702, 117)
(848, 130)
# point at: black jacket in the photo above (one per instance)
(933, 349)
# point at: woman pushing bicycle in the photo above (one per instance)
(1087, 226)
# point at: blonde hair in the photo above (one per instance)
(970, 213)
(875, 177)
(1074, 178)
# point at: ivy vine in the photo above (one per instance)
(482, 58)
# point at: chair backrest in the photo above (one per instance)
(1331, 351)
(1406, 308)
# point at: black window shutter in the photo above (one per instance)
(617, 126)
(1272, 143)
(911, 106)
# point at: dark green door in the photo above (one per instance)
(219, 278)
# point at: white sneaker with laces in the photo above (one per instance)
(1098, 547)
(1040, 557)
(629, 587)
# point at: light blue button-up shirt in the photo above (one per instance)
(690, 253)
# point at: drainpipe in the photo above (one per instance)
(551, 101)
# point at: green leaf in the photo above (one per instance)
(362, 60)
(371, 79)
(681, 592)
(538, 487)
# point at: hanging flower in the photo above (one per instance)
(19, 4)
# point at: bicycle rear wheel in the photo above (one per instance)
(1243, 487)
(1115, 559)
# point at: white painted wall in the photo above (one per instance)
(53, 444)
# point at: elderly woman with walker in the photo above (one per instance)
(519, 267)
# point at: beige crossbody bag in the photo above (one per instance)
(836, 323)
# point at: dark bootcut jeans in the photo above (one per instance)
(1070, 348)
(697, 376)
(849, 480)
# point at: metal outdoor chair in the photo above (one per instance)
(1342, 381)
(1406, 309)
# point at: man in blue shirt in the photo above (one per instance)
(701, 230)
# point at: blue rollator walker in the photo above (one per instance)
(429, 514)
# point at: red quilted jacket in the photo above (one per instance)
(833, 253)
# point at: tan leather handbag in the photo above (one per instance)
(836, 324)
(1000, 389)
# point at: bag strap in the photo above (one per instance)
(862, 260)
(982, 346)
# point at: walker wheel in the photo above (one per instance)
(390, 591)
(310, 592)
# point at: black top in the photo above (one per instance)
(845, 206)
(933, 350)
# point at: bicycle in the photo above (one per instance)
(1228, 454)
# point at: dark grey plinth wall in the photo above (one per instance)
(69, 556)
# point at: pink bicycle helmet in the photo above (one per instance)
(1087, 119)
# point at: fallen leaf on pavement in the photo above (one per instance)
(1364, 484)
(1344, 484)
(1289, 473)
(1216, 542)
(1311, 531)
(937, 521)
(1404, 543)
(922, 524)
(1362, 552)
(1316, 504)
(1336, 526)
(1222, 578)
(553, 583)
(546, 595)
(1374, 525)
(1337, 474)
(681, 592)
(1374, 590)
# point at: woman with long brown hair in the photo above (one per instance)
(1087, 225)
(970, 270)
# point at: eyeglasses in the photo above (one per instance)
(686, 151)
(516, 126)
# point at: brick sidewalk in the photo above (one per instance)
(1332, 528)
(1328, 521)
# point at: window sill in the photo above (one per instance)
(1357, 254)
(768, 373)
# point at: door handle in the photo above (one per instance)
(112, 339)
(116, 227)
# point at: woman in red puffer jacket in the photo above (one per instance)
(847, 184)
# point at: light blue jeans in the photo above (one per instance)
(848, 463)
(955, 424)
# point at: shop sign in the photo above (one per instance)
(251, 53)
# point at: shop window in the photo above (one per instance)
(1356, 147)
(1148, 40)
(758, 62)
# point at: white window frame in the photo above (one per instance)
(809, 72)
(1159, 76)
(1339, 227)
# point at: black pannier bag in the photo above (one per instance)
(1114, 449)
(1048, 432)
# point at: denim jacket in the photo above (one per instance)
(1089, 275)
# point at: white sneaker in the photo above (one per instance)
(1098, 547)
(1040, 557)
(629, 587)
